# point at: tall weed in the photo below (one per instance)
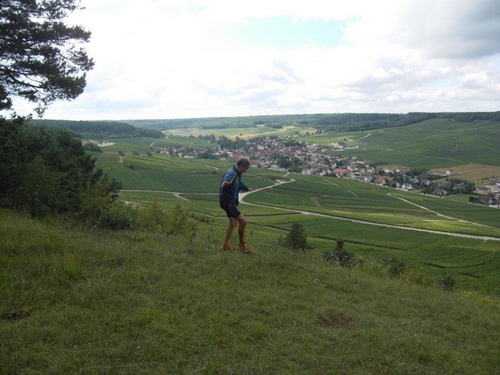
(174, 221)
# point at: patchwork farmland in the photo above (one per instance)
(440, 235)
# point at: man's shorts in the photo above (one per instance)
(230, 208)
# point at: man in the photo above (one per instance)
(230, 186)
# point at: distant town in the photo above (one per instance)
(285, 154)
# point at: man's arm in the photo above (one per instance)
(228, 178)
(243, 187)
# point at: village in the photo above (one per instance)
(288, 155)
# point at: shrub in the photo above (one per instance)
(202, 218)
(340, 256)
(99, 212)
(396, 267)
(100, 208)
(447, 283)
(175, 221)
(179, 222)
(152, 217)
(296, 239)
(91, 146)
(417, 276)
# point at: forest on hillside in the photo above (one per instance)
(98, 129)
(336, 122)
(323, 123)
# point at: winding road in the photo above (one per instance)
(281, 182)
(243, 195)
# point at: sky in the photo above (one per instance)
(166, 59)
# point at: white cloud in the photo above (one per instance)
(175, 58)
(437, 29)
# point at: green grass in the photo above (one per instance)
(382, 223)
(416, 249)
(437, 143)
(160, 172)
(367, 202)
(76, 300)
(232, 133)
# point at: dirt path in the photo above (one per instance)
(366, 136)
(276, 183)
(175, 194)
(427, 209)
(330, 182)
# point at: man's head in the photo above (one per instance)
(242, 165)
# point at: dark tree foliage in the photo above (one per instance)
(323, 122)
(41, 58)
(472, 116)
(396, 267)
(98, 129)
(340, 256)
(416, 172)
(225, 142)
(447, 283)
(296, 239)
(43, 172)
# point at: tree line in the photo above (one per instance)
(323, 122)
(98, 129)
(43, 173)
(44, 169)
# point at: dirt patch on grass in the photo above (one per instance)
(15, 314)
(471, 171)
(337, 321)
(195, 132)
(353, 193)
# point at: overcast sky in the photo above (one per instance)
(161, 59)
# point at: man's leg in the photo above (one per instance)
(242, 221)
(233, 223)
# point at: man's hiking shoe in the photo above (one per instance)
(243, 247)
(226, 247)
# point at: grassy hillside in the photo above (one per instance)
(77, 300)
(381, 223)
(244, 133)
(437, 143)
(329, 122)
(338, 122)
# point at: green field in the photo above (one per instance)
(433, 144)
(367, 202)
(375, 222)
(245, 132)
(437, 143)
